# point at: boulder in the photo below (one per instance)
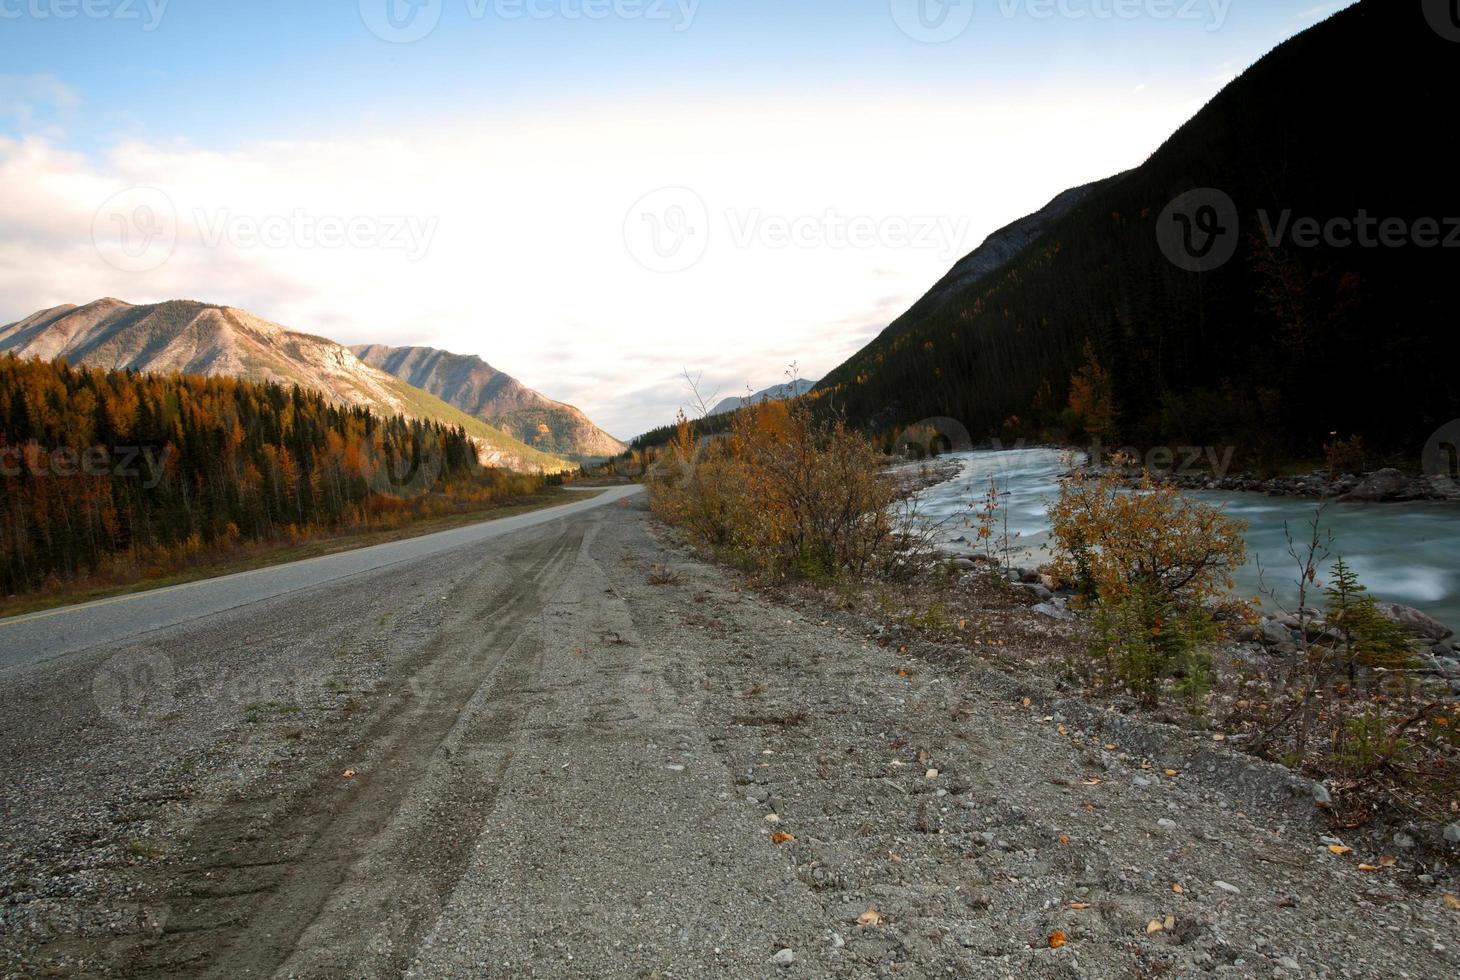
(1276, 634)
(1054, 612)
(1415, 621)
(1388, 484)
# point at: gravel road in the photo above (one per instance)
(520, 757)
(43, 635)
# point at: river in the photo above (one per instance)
(1407, 553)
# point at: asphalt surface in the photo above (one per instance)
(42, 636)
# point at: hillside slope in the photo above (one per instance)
(474, 386)
(1270, 352)
(184, 336)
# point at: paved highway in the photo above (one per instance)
(56, 632)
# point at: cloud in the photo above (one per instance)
(31, 101)
(515, 238)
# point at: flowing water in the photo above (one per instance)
(1406, 553)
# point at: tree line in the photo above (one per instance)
(123, 474)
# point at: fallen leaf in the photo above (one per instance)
(894, 856)
(772, 818)
(1061, 730)
(1178, 889)
(1172, 773)
(1145, 764)
(1057, 939)
(1155, 926)
(1079, 906)
(1368, 867)
(1388, 861)
(1092, 781)
(871, 917)
(1065, 839)
(1452, 902)
(1339, 849)
(348, 774)
(932, 774)
(1111, 747)
(1170, 923)
(1027, 702)
(781, 837)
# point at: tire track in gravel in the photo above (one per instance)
(260, 873)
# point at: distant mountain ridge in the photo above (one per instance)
(190, 337)
(480, 390)
(780, 392)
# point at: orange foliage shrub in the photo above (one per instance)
(785, 495)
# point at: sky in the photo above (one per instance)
(592, 195)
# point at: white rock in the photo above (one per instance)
(784, 958)
(1229, 889)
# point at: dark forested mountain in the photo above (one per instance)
(483, 392)
(1295, 336)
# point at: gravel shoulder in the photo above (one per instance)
(521, 758)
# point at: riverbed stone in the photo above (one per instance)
(1415, 621)
(1386, 484)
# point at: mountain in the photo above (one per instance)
(996, 251)
(1293, 338)
(483, 392)
(188, 337)
(781, 392)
